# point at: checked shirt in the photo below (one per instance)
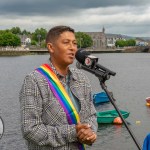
(43, 121)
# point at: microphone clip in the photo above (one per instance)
(90, 61)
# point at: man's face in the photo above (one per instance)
(64, 49)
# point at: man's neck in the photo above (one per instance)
(63, 70)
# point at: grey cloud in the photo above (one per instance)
(129, 17)
(59, 7)
(135, 31)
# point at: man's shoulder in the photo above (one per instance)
(76, 71)
(78, 74)
(35, 76)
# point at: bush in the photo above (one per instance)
(9, 39)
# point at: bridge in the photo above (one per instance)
(39, 50)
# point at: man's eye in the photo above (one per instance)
(66, 41)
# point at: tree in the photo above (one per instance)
(33, 42)
(15, 30)
(39, 35)
(83, 40)
(122, 43)
(131, 42)
(25, 32)
(9, 39)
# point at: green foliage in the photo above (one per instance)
(39, 35)
(33, 42)
(25, 32)
(15, 30)
(122, 43)
(43, 44)
(4, 31)
(83, 40)
(131, 42)
(9, 39)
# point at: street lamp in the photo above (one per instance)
(24, 43)
(39, 38)
(80, 41)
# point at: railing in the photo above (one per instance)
(10, 48)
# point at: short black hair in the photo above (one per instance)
(55, 32)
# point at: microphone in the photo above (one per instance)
(90, 63)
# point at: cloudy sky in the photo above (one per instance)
(128, 17)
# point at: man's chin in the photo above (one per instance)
(70, 61)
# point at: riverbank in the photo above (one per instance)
(136, 49)
(14, 53)
(133, 49)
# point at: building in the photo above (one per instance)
(102, 41)
(111, 40)
(99, 39)
(141, 42)
(25, 40)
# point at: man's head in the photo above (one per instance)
(62, 45)
(55, 32)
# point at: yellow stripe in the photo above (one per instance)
(54, 77)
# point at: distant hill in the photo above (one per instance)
(118, 35)
(145, 38)
(131, 37)
(128, 37)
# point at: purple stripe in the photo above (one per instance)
(70, 121)
(57, 96)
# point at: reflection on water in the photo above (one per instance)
(130, 87)
(148, 111)
(1, 127)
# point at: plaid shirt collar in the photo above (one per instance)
(60, 76)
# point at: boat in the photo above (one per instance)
(110, 115)
(148, 101)
(100, 98)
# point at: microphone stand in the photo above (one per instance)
(103, 76)
(102, 80)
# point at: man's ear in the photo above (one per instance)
(50, 47)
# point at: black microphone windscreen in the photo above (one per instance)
(81, 55)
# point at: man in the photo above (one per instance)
(56, 107)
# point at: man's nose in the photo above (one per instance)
(73, 46)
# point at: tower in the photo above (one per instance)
(103, 30)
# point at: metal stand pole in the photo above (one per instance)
(115, 106)
(103, 74)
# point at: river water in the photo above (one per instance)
(130, 87)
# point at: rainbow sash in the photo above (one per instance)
(62, 96)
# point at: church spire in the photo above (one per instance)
(103, 30)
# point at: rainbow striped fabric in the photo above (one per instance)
(61, 94)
